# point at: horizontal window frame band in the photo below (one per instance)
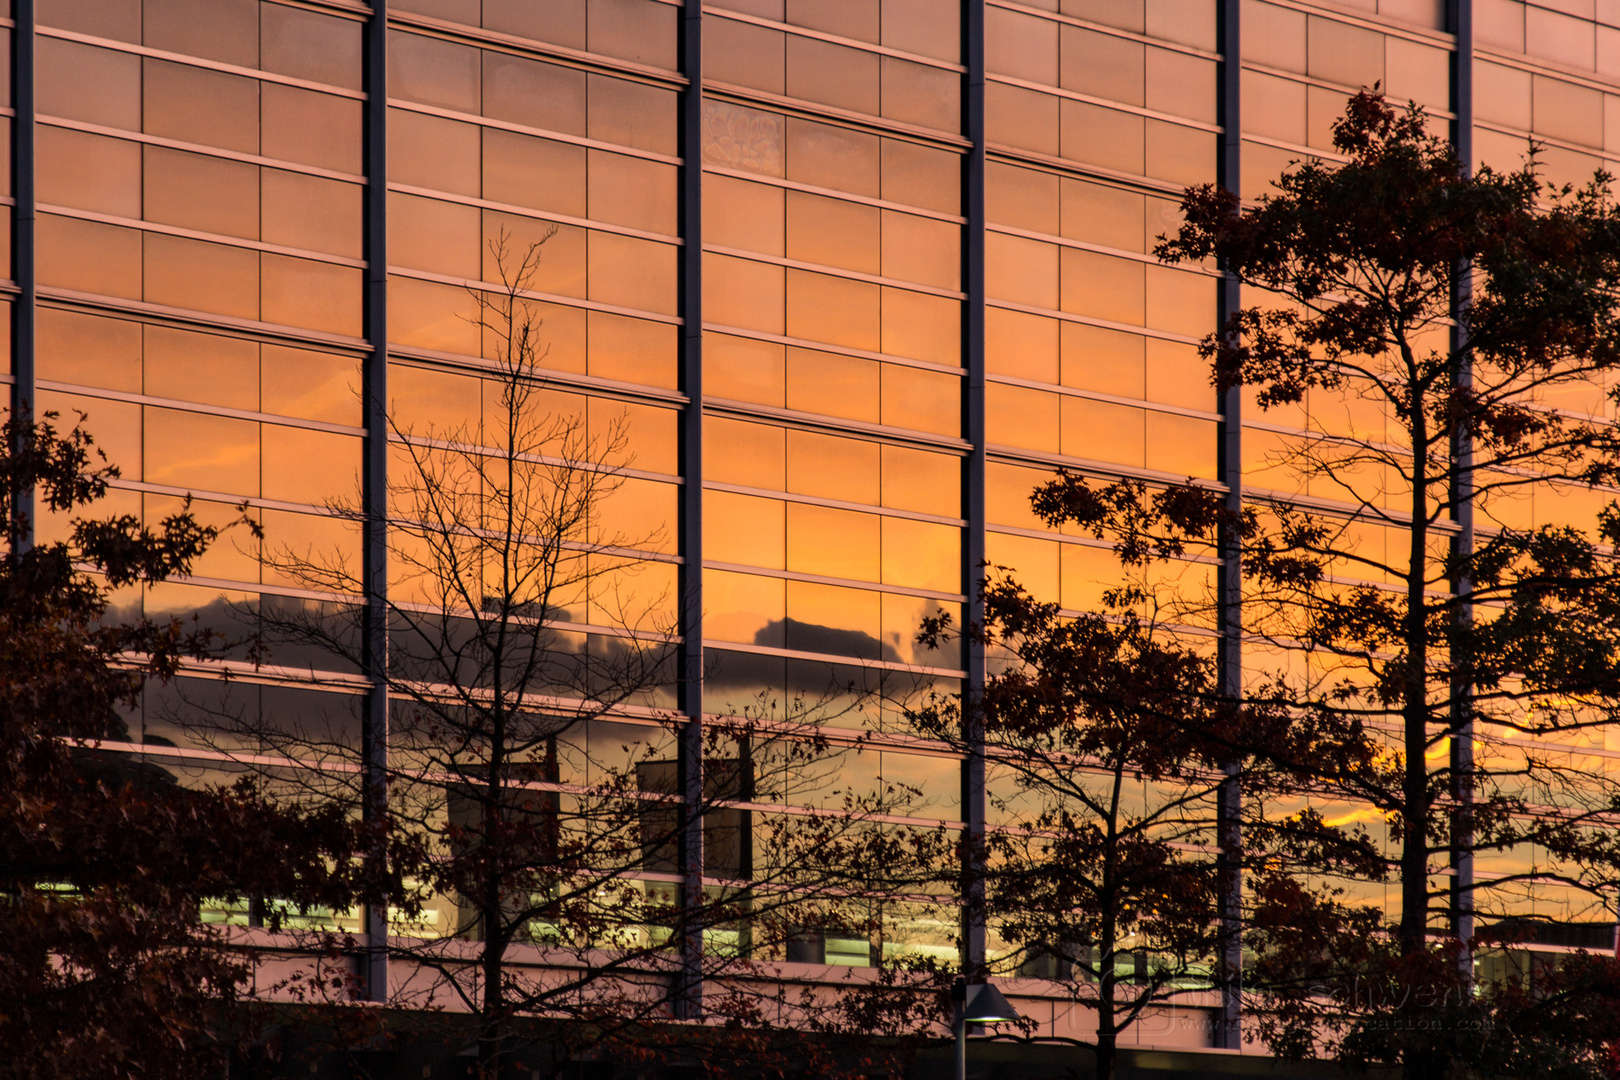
(191, 319)
(841, 350)
(1104, 28)
(1083, 245)
(566, 625)
(1391, 449)
(834, 271)
(512, 44)
(347, 9)
(1095, 544)
(849, 738)
(1105, 103)
(1105, 324)
(1007, 154)
(842, 583)
(1410, 33)
(222, 239)
(832, 193)
(199, 407)
(201, 149)
(188, 755)
(1343, 511)
(632, 393)
(805, 109)
(530, 294)
(1301, 149)
(257, 74)
(1549, 68)
(477, 120)
(836, 504)
(415, 690)
(804, 421)
(821, 35)
(408, 439)
(1093, 467)
(536, 214)
(829, 658)
(1611, 156)
(1323, 84)
(253, 501)
(1107, 399)
(402, 524)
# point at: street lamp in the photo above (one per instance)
(979, 1003)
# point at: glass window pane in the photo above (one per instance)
(637, 30)
(311, 212)
(88, 172)
(632, 191)
(631, 114)
(745, 139)
(201, 106)
(311, 128)
(832, 157)
(539, 173)
(1022, 198)
(430, 152)
(835, 620)
(742, 369)
(745, 294)
(89, 350)
(833, 543)
(922, 555)
(1101, 431)
(832, 232)
(81, 82)
(744, 608)
(830, 467)
(313, 295)
(198, 451)
(433, 71)
(208, 368)
(737, 452)
(429, 234)
(311, 385)
(921, 176)
(745, 54)
(821, 307)
(308, 45)
(921, 326)
(206, 277)
(225, 30)
(832, 74)
(744, 529)
(632, 273)
(921, 400)
(922, 250)
(119, 19)
(631, 350)
(739, 214)
(314, 467)
(196, 191)
(925, 482)
(833, 385)
(89, 257)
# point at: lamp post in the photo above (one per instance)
(978, 1003)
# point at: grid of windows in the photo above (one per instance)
(197, 285)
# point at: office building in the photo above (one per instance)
(860, 273)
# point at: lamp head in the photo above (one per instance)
(985, 1005)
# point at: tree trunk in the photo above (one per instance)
(1415, 706)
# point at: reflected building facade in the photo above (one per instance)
(860, 273)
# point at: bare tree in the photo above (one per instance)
(531, 672)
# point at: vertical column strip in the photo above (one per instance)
(1462, 740)
(375, 467)
(1228, 1027)
(973, 781)
(22, 249)
(688, 996)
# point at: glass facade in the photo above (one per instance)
(852, 289)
